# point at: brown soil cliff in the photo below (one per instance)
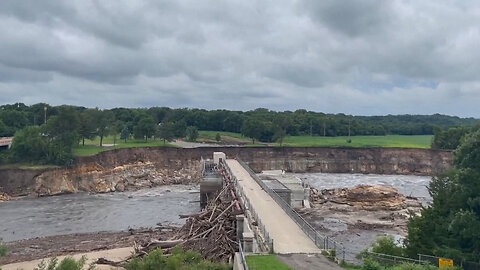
(125, 169)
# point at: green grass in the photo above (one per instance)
(266, 262)
(212, 134)
(227, 137)
(92, 147)
(414, 141)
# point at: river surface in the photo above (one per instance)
(78, 213)
(408, 185)
(356, 240)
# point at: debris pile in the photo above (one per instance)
(4, 196)
(212, 232)
(364, 197)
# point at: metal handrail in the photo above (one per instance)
(394, 258)
(242, 256)
(267, 241)
(309, 230)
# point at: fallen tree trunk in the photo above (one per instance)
(212, 232)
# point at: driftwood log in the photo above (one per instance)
(211, 232)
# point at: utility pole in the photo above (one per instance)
(311, 128)
(324, 129)
(45, 114)
(349, 124)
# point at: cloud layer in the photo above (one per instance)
(359, 57)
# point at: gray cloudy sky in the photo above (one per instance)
(359, 57)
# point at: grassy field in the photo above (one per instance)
(226, 137)
(415, 141)
(92, 146)
(266, 262)
(212, 134)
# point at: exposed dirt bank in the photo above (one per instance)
(126, 169)
(44, 247)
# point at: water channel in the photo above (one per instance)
(77, 213)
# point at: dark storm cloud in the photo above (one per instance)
(362, 57)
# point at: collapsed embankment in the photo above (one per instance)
(126, 169)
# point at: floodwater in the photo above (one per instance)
(408, 185)
(80, 213)
(336, 228)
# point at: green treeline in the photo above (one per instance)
(300, 122)
(47, 134)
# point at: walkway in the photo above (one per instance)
(287, 236)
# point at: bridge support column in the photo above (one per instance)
(248, 241)
(240, 226)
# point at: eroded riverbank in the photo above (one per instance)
(58, 245)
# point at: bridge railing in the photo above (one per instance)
(323, 242)
(267, 241)
(242, 256)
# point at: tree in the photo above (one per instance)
(192, 133)
(218, 138)
(63, 128)
(29, 145)
(449, 227)
(252, 128)
(279, 136)
(4, 130)
(104, 120)
(125, 134)
(468, 154)
(165, 132)
(145, 128)
(450, 138)
(14, 120)
(87, 126)
(179, 129)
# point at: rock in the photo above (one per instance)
(4, 197)
(365, 197)
(120, 187)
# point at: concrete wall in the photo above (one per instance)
(144, 167)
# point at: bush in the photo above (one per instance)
(66, 264)
(385, 245)
(369, 264)
(179, 260)
(3, 250)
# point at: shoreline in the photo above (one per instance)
(70, 244)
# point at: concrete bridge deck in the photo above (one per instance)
(287, 236)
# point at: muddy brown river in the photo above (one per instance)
(77, 213)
